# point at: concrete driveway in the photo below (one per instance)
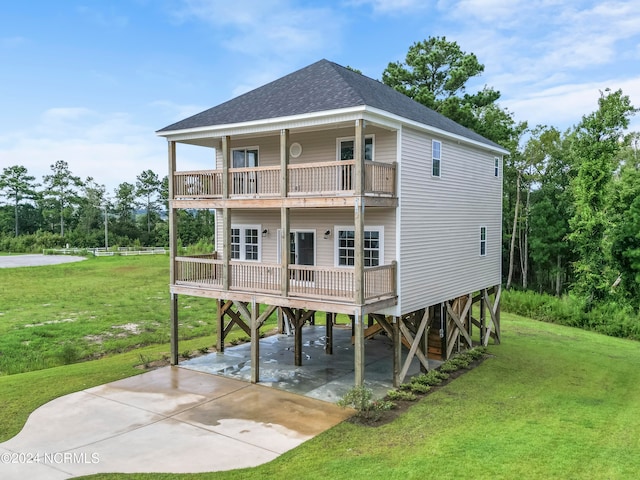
(35, 260)
(170, 420)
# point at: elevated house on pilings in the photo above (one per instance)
(335, 193)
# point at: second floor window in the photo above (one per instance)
(244, 157)
(483, 241)
(346, 148)
(436, 157)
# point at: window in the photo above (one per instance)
(496, 167)
(244, 182)
(244, 157)
(483, 241)
(436, 154)
(346, 147)
(245, 242)
(345, 246)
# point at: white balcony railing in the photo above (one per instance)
(305, 179)
(304, 281)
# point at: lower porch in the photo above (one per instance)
(321, 376)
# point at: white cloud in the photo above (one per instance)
(487, 11)
(278, 28)
(564, 106)
(108, 147)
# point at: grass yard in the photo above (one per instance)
(61, 314)
(554, 402)
(551, 402)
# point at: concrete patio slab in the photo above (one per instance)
(321, 376)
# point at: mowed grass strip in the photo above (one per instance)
(553, 402)
(61, 314)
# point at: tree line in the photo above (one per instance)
(64, 209)
(571, 206)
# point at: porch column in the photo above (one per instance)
(284, 162)
(219, 326)
(358, 214)
(397, 352)
(226, 213)
(358, 348)
(173, 249)
(358, 269)
(255, 343)
(284, 213)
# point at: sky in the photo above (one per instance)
(91, 81)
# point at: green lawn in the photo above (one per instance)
(61, 314)
(551, 402)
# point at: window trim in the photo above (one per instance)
(339, 141)
(336, 242)
(243, 252)
(483, 241)
(434, 159)
(496, 167)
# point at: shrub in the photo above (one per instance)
(448, 367)
(419, 387)
(401, 395)
(361, 399)
(460, 361)
(431, 378)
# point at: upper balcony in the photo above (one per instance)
(308, 184)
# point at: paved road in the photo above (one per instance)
(12, 261)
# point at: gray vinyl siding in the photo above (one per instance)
(317, 146)
(440, 221)
(318, 220)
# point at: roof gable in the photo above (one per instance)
(319, 87)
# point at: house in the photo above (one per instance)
(335, 193)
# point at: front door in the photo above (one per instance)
(302, 251)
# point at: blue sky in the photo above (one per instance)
(89, 82)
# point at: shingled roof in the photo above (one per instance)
(321, 86)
